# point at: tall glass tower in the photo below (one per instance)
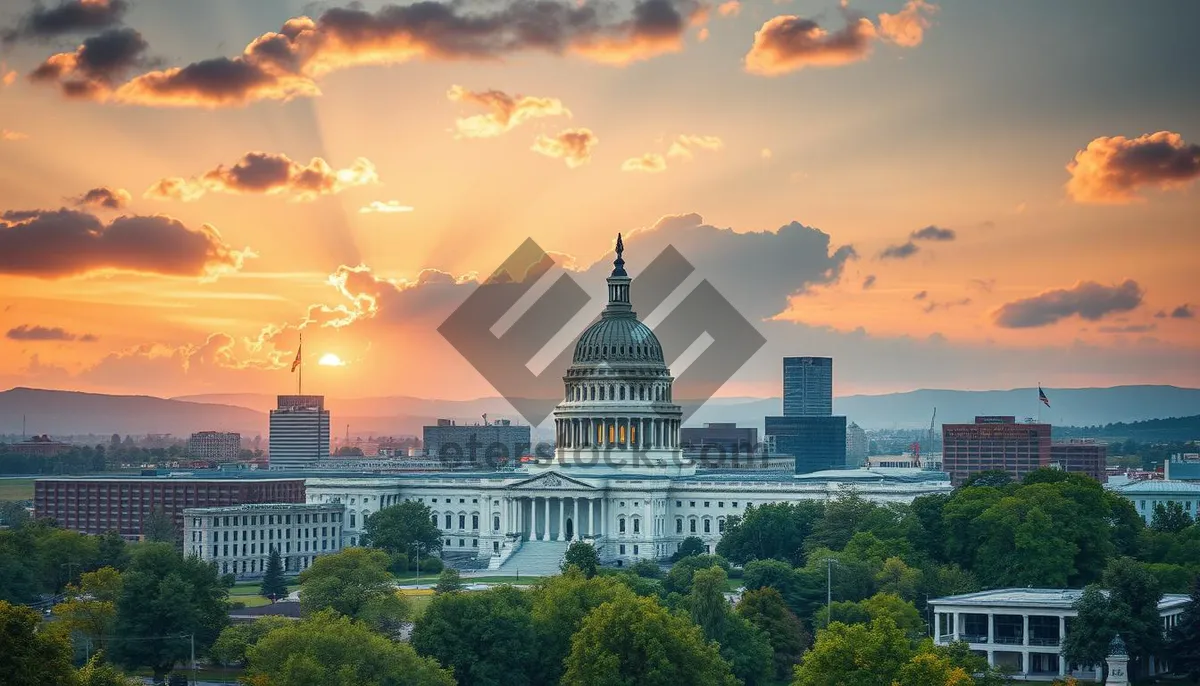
(807, 386)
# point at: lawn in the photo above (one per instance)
(16, 489)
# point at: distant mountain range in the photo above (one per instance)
(68, 412)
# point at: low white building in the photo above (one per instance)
(1022, 629)
(1147, 494)
(239, 538)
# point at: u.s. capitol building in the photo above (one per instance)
(618, 477)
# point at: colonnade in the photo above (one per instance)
(632, 433)
(557, 518)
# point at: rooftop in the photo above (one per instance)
(261, 507)
(1047, 598)
(1149, 486)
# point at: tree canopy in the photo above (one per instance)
(405, 528)
(582, 556)
(483, 636)
(354, 582)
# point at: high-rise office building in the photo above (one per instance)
(994, 443)
(807, 386)
(857, 445)
(817, 443)
(299, 432)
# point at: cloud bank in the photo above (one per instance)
(25, 332)
(104, 197)
(262, 173)
(1087, 299)
(69, 16)
(1111, 169)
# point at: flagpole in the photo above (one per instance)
(300, 378)
(1039, 399)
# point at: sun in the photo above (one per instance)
(331, 360)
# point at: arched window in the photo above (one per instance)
(708, 526)
(641, 392)
(692, 526)
(721, 526)
(449, 521)
(462, 521)
(496, 523)
(622, 392)
(602, 392)
(621, 525)
(433, 519)
(679, 525)
(637, 525)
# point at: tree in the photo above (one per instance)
(29, 654)
(13, 514)
(559, 606)
(158, 527)
(802, 589)
(97, 672)
(692, 545)
(112, 550)
(1134, 593)
(931, 669)
(483, 636)
(165, 598)
(326, 649)
(1184, 647)
(747, 650)
(584, 556)
(235, 640)
(1170, 518)
(648, 569)
(637, 641)
(990, 478)
(765, 609)
(773, 531)
(404, 528)
(679, 579)
(898, 578)
(91, 609)
(449, 581)
(354, 582)
(861, 654)
(273, 584)
(1092, 630)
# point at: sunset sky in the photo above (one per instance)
(956, 195)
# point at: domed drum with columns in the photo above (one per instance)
(617, 408)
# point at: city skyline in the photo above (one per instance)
(910, 191)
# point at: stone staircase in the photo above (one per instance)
(535, 558)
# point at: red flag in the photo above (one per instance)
(296, 362)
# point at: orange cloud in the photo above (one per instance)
(7, 135)
(104, 197)
(573, 146)
(285, 64)
(650, 162)
(507, 111)
(90, 72)
(1112, 169)
(789, 43)
(684, 146)
(9, 78)
(268, 174)
(54, 244)
(906, 28)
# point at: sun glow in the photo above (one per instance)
(331, 360)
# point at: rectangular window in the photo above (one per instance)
(692, 526)
(637, 526)
(622, 548)
(678, 526)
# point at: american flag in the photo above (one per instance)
(296, 362)
(1042, 397)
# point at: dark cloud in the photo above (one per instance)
(1184, 311)
(1087, 299)
(899, 252)
(933, 233)
(985, 285)
(108, 198)
(59, 243)
(789, 43)
(92, 70)
(868, 282)
(921, 295)
(26, 332)
(1112, 169)
(69, 16)
(934, 305)
(1127, 328)
(265, 173)
(286, 64)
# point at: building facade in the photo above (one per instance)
(121, 503)
(857, 446)
(492, 445)
(299, 432)
(1022, 629)
(239, 538)
(215, 446)
(1148, 494)
(807, 386)
(1082, 456)
(817, 443)
(994, 443)
(720, 439)
(619, 477)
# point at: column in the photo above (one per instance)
(1025, 661)
(591, 522)
(1062, 634)
(546, 519)
(957, 628)
(577, 531)
(562, 506)
(603, 518)
(1025, 631)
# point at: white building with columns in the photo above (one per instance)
(1023, 629)
(618, 477)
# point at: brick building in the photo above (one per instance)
(96, 504)
(994, 443)
(1084, 456)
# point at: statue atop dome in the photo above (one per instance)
(619, 263)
